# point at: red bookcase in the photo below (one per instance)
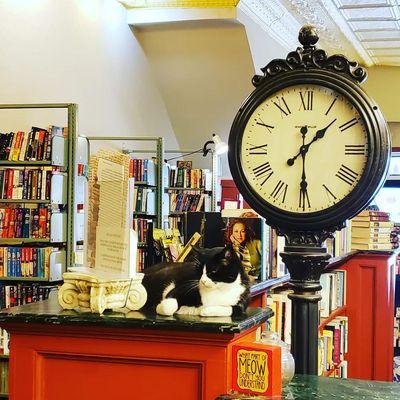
(369, 308)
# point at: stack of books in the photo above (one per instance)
(371, 230)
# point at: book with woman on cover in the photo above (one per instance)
(245, 231)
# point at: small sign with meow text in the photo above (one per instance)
(256, 369)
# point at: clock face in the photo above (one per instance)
(304, 149)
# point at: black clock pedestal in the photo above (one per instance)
(305, 265)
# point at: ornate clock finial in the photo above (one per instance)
(309, 57)
(308, 36)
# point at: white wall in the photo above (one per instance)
(80, 51)
(204, 71)
(263, 47)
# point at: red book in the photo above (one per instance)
(42, 222)
(6, 222)
(10, 183)
(11, 226)
(336, 346)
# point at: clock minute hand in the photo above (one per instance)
(304, 149)
(303, 182)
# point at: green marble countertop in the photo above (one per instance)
(50, 312)
(305, 387)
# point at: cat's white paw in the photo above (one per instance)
(167, 307)
(187, 310)
(216, 311)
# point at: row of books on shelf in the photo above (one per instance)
(332, 347)
(333, 335)
(25, 183)
(191, 178)
(23, 293)
(144, 200)
(141, 226)
(333, 292)
(143, 170)
(182, 202)
(25, 262)
(35, 145)
(25, 222)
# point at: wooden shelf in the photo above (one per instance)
(24, 163)
(4, 356)
(3, 395)
(336, 313)
(25, 201)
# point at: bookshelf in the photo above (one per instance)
(37, 183)
(188, 187)
(55, 194)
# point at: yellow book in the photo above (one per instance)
(372, 224)
(371, 246)
(329, 348)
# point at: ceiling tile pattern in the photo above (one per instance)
(365, 30)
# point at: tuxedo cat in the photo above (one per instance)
(214, 284)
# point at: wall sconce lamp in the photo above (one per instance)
(220, 146)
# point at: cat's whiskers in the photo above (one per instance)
(190, 285)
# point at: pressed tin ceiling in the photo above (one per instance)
(365, 30)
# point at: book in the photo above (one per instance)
(246, 236)
(372, 224)
(372, 246)
(370, 231)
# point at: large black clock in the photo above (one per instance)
(308, 150)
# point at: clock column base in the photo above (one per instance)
(305, 265)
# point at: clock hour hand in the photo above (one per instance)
(304, 148)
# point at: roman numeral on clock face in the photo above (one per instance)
(329, 193)
(255, 150)
(304, 200)
(306, 100)
(348, 124)
(263, 172)
(354, 149)
(279, 191)
(269, 127)
(283, 107)
(330, 107)
(347, 175)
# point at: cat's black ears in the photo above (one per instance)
(228, 252)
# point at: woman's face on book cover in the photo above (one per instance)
(239, 232)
